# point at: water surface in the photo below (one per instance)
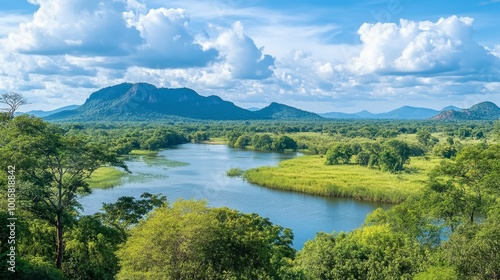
(198, 171)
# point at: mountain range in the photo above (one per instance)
(480, 111)
(41, 114)
(142, 102)
(402, 113)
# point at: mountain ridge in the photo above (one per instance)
(481, 111)
(142, 101)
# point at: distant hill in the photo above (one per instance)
(41, 114)
(482, 111)
(253, 109)
(279, 111)
(408, 113)
(454, 108)
(402, 113)
(141, 101)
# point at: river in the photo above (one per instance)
(198, 171)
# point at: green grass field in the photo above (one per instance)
(144, 153)
(106, 177)
(309, 174)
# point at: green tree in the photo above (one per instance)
(285, 143)
(127, 211)
(372, 252)
(423, 137)
(339, 153)
(242, 141)
(262, 142)
(90, 250)
(394, 155)
(472, 176)
(474, 249)
(56, 166)
(191, 241)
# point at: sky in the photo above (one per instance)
(320, 56)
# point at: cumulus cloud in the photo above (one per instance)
(120, 31)
(421, 47)
(245, 60)
(82, 27)
(167, 40)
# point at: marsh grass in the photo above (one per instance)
(143, 153)
(309, 174)
(106, 177)
(235, 172)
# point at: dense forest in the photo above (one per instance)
(447, 229)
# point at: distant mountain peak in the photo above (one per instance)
(482, 111)
(143, 101)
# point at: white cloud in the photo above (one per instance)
(245, 60)
(421, 47)
(82, 27)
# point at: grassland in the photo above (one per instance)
(144, 153)
(106, 177)
(309, 174)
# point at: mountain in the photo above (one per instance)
(402, 113)
(279, 111)
(141, 101)
(340, 115)
(409, 113)
(41, 114)
(482, 111)
(253, 109)
(454, 108)
(365, 115)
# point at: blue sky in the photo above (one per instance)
(320, 56)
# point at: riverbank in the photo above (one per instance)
(309, 174)
(106, 177)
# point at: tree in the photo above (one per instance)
(473, 175)
(394, 155)
(90, 250)
(56, 166)
(262, 142)
(340, 153)
(127, 211)
(191, 241)
(285, 143)
(423, 136)
(474, 249)
(242, 141)
(372, 252)
(14, 101)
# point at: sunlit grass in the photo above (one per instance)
(309, 174)
(143, 153)
(235, 172)
(106, 177)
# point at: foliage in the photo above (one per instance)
(340, 153)
(56, 165)
(372, 252)
(467, 184)
(127, 211)
(90, 250)
(235, 172)
(191, 241)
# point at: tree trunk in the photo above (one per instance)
(59, 240)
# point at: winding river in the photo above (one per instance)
(199, 171)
